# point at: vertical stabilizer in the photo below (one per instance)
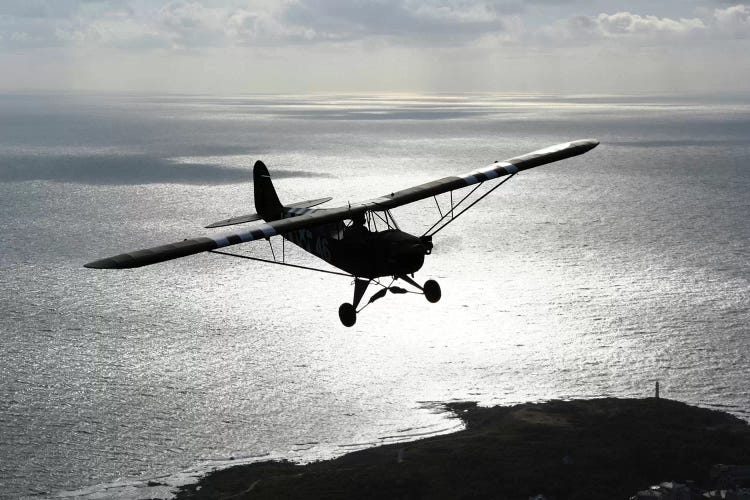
(267, 202)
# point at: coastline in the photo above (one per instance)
(601, 448)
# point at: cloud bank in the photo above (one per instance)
(186, 24)
(157, 41)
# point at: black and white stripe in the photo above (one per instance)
(498, 169)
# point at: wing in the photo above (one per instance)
(310, 218)
(193, 246)
(495, 170)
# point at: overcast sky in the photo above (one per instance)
(245, 46)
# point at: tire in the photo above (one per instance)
(347, 314)
(432, 291)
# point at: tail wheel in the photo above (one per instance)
(347, 314)
(432, 291)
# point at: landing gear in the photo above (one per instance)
(432, 291)
(348, 312)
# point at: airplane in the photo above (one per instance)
(363, 240)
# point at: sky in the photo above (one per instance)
(379, 46)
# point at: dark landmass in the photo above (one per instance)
(595, 449)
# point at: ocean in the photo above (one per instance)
(595, 276)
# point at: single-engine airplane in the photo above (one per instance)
(348, 237)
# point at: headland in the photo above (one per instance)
(582, 449)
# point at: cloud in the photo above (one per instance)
(190, 24)
(719, 24)
(50, 9)
(627, 24)
(50, 23)
(22, 11)
(403, 20)
(141, 25)
(623, 26)
(123, 33)
(733, 21)
(195, 24)
(371, 45)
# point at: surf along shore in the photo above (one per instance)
(582, 449)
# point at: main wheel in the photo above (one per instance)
(432, 291)
(347, 314)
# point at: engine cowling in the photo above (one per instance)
(383, 253)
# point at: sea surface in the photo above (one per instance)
(591, 277)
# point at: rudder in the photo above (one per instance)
(267, 202)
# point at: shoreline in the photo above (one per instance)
(600, 448)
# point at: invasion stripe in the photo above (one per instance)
(470, 179)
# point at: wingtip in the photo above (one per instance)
(585, 144)
(94, 265)
(102, 264)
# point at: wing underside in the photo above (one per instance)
(301, 217)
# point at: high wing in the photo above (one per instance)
(317, 217)
(192, 246)
(498, 169)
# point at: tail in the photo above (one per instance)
(267, 202)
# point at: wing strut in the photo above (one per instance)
(230, 254)
(445, 215)
(454, 217)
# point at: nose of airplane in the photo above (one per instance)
(409, 258)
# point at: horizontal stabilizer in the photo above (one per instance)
(308, 203)
(235, 220)
(241, 219)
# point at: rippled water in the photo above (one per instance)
(590, 277)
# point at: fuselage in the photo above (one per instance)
(363, 253)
